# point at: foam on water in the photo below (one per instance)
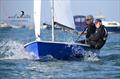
(13, 50)
(92, 55)
(92, 58)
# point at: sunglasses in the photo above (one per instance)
(88, 19)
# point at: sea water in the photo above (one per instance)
(16, 63)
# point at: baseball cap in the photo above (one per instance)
(98, 20)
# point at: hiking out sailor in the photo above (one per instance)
(90, 27)
(98, 39)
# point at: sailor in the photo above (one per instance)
(98, 39)
(90, 27)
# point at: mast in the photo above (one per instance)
(52, 14)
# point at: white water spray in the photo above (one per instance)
(13, 50)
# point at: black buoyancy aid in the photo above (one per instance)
(99, 45)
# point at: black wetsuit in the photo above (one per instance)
(90, 30)
(98, 39)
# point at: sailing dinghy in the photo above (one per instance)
(61, 13)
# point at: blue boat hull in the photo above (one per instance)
(113, 29)
(56, 50)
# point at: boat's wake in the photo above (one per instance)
(13, 50)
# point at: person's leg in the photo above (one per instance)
(92, 43)
(81, 41)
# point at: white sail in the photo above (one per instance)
(37, 16)
(63, 13)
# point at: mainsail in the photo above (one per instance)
(37, 17)
(63, 13)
